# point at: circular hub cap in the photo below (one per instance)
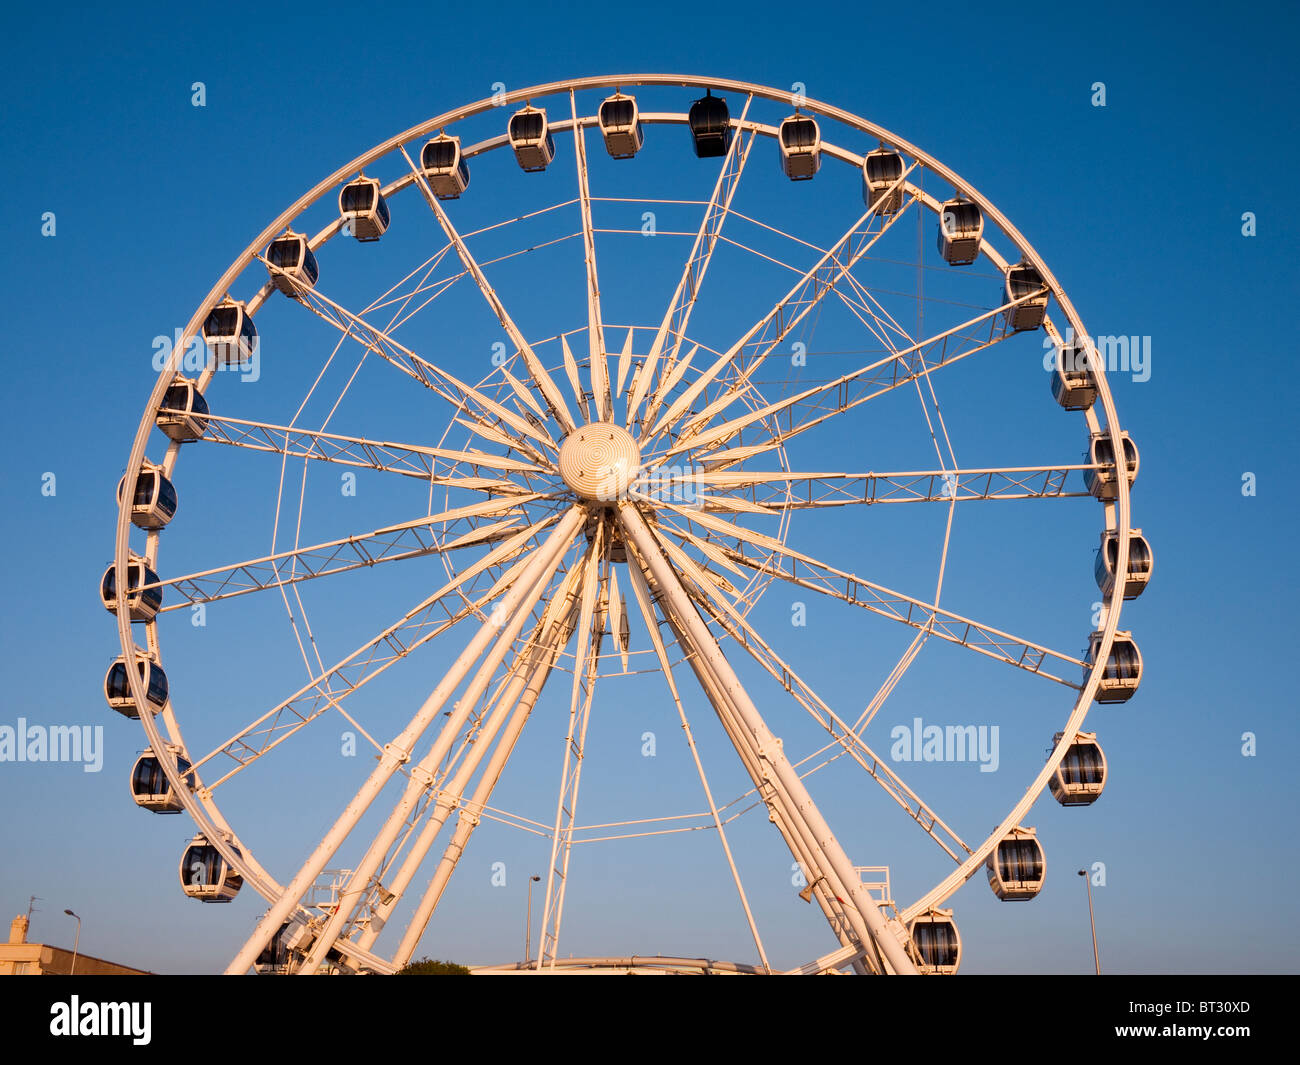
(599, 461)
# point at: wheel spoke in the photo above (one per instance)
(330, 687)
(826, 400)
(411, 539)
(411, 460)
(540, 378)
(677, 317)
(599, 366)
(773, 492)
(759, 553)
(803, 297)
(433, 377)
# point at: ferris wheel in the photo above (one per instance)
(581, 501)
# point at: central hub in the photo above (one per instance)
(598, 461)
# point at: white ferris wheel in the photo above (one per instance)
(584, 502)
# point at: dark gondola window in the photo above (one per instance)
(286, 253)
(223, 322)
(157, 686)
(137, 575)
(617, 114)
(1105, 452)
(884, 168)
(526, 126)
(799, 134)
(1023, 280)
(177, 398)
(937, 943)
(185, 397)
(1020, 861)
(1139, 555)
(116, 685)
(961, 219)
(1082, 765)
(440, 155)
(274, 953)
(1123, 662)
(203, 866)
(359, 197)
(146, 485)
(148, 778)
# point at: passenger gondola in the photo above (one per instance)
(230, 334)
(530, 138)
(620, 125)
(1141, 561)
(117, 688)
(289, 940)
(1023, 281)
(363, 209)
(882, 187)
(1017, 865)
(206, 875)
(149, 785)
(938, 945)
(1073, 385)
(961, 228)
(710, 124)
(142, 602)
(800, 139)
(292, 265)
(1081, 776)
(1103, 480)
(182, 414)
(445, 168)
(1122, 673)
(154, 502)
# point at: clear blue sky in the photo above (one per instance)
(1138, 208)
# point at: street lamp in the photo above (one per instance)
(528, 927)
(76, 943)
(1096, 958)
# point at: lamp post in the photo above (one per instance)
(1096, 958)
(528, 926)
(76, 943)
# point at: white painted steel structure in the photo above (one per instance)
(559, 446)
